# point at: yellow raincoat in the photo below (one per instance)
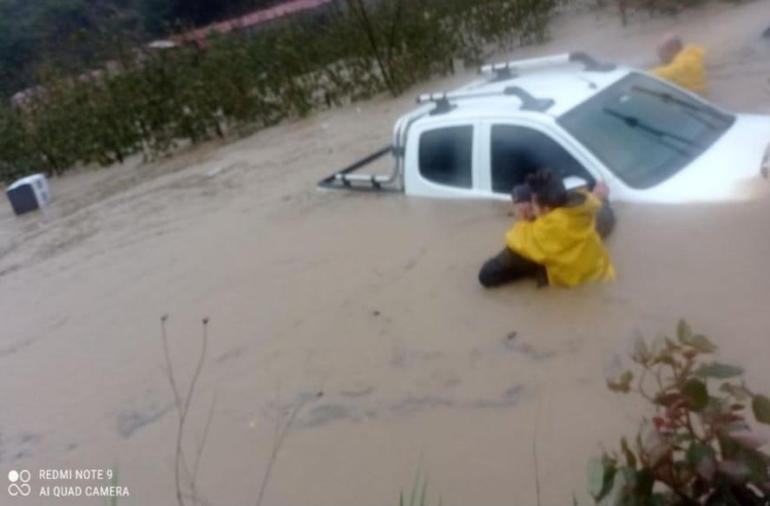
(686, 70)
(565, 241)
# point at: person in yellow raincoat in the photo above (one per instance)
(682, 65)
(560, 246)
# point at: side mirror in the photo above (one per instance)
(575, 182)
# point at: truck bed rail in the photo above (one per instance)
(346, 179)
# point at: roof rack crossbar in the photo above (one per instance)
(511, 69)
(444, 101)
(590, 63)
(529, 102)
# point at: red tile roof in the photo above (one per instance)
(255, 18)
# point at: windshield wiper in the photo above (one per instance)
(669, 98)
(634, 122)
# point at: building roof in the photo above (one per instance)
(252, 19)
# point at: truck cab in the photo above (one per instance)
(588, 121)
(486, 154)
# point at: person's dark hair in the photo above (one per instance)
(547, 188)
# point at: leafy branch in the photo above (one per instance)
(700, 446)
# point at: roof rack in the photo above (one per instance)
(529, 102)
(511, 69)
(444, 101)
(440, 99)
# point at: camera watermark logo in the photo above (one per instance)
(19, 483)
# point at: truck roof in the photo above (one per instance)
(551, 85)
(566, 87)
(546, 86)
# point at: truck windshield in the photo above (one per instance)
(643, 130)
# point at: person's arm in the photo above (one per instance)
(521, 239)
(601, 190)
(667, 72)
(591, 203)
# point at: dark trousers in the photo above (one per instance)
(509, 266)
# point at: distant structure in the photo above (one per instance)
(249, 23)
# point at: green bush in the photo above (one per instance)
(699, 447)
(157, 99)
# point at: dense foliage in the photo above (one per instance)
(155, 99)
(700, 447)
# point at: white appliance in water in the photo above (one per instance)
(29, 193)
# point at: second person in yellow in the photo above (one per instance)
(682, 65)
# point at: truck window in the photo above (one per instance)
(520, 151)
(446, 156)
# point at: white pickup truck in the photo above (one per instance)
(648, 140)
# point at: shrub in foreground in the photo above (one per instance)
(700, 447)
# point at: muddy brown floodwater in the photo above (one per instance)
(369, 300)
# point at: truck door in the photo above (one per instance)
(515, 151)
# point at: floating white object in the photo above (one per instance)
(29, 193)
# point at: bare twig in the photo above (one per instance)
(183, 404)
(537, 467)
(183, 407)
(640, 386)
(277, 443)
(169, 367)
(534, 453)
(179, 410)
(202, 445)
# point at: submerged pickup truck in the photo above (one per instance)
(647, 139)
